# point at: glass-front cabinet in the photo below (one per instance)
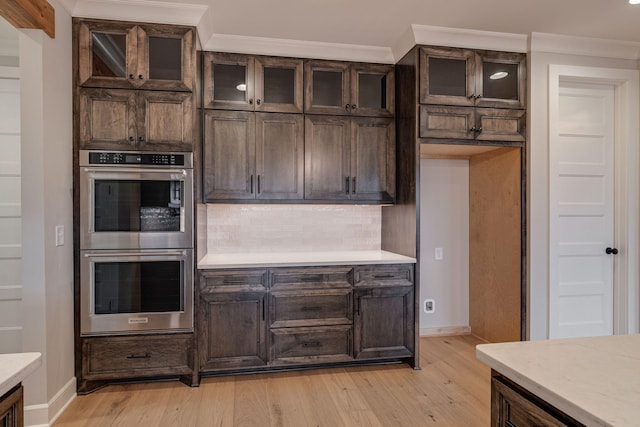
(464, 77)
(349, 88)
(252, 83)
(126, 55)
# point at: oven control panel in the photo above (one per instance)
(129, 158)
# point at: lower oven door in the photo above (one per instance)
(126, 292)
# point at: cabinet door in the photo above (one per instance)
(229, 155)
(501, 79)
(279, 156)
(373, 159)
(327, 164)
(107, 54)
(228, 81)
(447, 122)
(372, 90)
(12, 407)
(232, 330)
(166, 57)
(278, 84)
(107, 119)
(327, 87)
(447, 76)
(165, 120)
(383, 322)
(495, 124)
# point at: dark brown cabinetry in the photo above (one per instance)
(12, 408)
(253, 156)
(513, 406)
(130, 119)
(310, 316)
(343, 88)
(141, 56)
(384, 312)
(260, 83)
(471, 95)
(349, 158)
(232, 319)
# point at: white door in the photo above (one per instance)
(581, 226)
(10, 221)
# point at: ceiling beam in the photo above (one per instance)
(33, 14)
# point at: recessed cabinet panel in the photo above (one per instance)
(500, 125)
(500, 81)
(167, 118)
(322, 344)
(327, 87)
(165, 58)
(327, 162)
(447, 76)
(278, 84)
(373, 90)
(228, 81)
(109, 55)
(108, 119)
(229, 155)
(447, 122)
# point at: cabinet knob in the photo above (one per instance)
(353, 107)
(473, 129)
(131, 139)
(347, 106)
(258, 101)
(250, 101)
(479, 130)
(472, 96)
(141, 138)
(140, 76)
(131, 76)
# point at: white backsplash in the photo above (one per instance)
(292, 228)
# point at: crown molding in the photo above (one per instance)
(139, 11)
(298, 48)
(603, 48)
(472, 39)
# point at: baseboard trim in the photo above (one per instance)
(445, 330)
(39, 415)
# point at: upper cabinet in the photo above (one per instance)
(135, 56)
(464, 77)
(344, 88)
(252, 83)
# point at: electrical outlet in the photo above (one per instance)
(59, 235)
(439, 254)
(429, 305)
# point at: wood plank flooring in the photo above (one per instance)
(452, 389)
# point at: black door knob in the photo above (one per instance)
(610, 251)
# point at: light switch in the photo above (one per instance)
(439, 254)
(59, 235)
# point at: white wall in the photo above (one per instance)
(538, 174)
(10, 235)
(46, 112)
(444, 223)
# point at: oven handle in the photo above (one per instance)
(136, 254)
(135, 170)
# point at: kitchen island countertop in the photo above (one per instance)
(595, 380)
(296, 259)
(15, 367)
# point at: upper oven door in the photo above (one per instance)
(135, 208)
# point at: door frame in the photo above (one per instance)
(626, 180)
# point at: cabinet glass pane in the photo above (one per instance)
(109, 55)
(165, 58)
(372, 91)
(279, 85)
(499, 81)
(230, 82)
(447, 76)
(327, 88)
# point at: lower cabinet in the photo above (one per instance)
(12, 408)
(513, 406)
(257, 319)
(113, 358)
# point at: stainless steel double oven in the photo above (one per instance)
(136, 241)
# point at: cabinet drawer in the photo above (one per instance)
(311, 345)
(227, 279)
(311, 278)
(308, 308)
(137, 356)
(384, 275)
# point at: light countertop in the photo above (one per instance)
(15, 367)
(295, 259)
(594, 380)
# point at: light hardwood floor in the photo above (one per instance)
(452, 389)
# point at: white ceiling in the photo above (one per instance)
(370, 24)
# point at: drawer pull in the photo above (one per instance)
(233, 282)
(144, 356)
(314, 278)
(312, 344)
(384, 276)
(311, 308)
